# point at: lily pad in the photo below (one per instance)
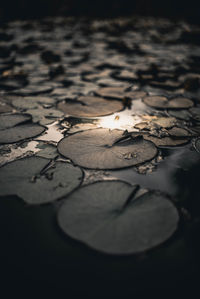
(12, 120)
(4, 108)
(180, 114)
(28, 179)
(106, 149)
(45, 116)
(33, 90)
(47, 151)
(197, 145)
(179, 132)
(126, 75)
(165, 141)
(111, 92)
(195, 112)
(88, 106)
(31, 102)
(20, 133)
(164, 103)
(135, 94)
(150, 122)
(115, 221)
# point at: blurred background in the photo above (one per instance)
(175, 9)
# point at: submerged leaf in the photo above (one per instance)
(101, 149)
(115, 222)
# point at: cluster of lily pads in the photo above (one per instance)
(98, 99)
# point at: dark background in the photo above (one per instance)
(175, 9)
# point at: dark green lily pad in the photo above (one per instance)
(106, 149)
(12, 120)
(28, 179)
(107, 217)
(89, 106)
(20, 133)
(164, 103)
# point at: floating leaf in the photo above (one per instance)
(164, 103)
(180, 114)
(197, 145)
(45, 116)
(195, 112)
(179, 132)
(135, 94)
(88, 106)
(47, 151)
(20, 132)
(107, 217)
(12, 120)
(33, 90)
(156, 122)
(165, 141)
(31, 102)
(28, 179)
(105, 149)
(111, 92)
(4, 108)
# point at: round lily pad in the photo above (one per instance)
(33, 90)
(88, 106)
(20, 132)
(107, 217)
(180, 114)
(28, 179)
(111, 92)
(106, 149)
(165, 141)
(11, 120)
(164, 103)
(31, 102)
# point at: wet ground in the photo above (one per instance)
(100, 155)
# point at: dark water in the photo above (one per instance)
(36, 257)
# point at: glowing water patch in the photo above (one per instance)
(122, 121)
